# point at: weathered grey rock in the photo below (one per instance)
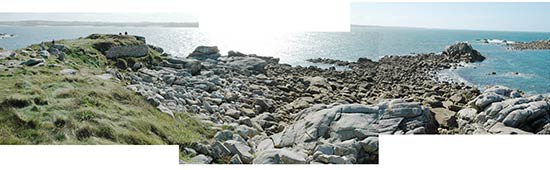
(236, 159)
(233, 113)
(444, 117)
(247, 63)
(223, 135)
(205, 53)
(494, 94)
(333, 159)
(265, 104)
(127, 51)
(467, 114)
(235, 54)
(246, 132)
(219, 150)
(202, 148)
(200, 159)
(355, 121)
(265, 145)
(326, 149)
(349, 127)
(32, 62)
(277, 138)
(500, 110)
(500, 128)
(59, 47)
(189, 151)
(370, 144)
(279, 156)
(44, 53)
(243, 150)
(157, 49)
(463, 50)
(457, 98)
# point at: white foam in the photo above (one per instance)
(497, 41)
(448, 75)
(518, 74)
(3, 36)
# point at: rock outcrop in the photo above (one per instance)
(127, 51)
(124, 46)
(500, 110)
(464, 52)
(348, 133)
(336, 134)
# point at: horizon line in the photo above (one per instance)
(456, 29)
(196, 24)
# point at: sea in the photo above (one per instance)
(527, 70)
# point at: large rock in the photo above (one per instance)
(127, 51)
(347, 125)
(247, 63)
(114, 46)
(43, 53)
(464, 51)
(205, 52)
(241, 149)
(500, 110)
(445, 117)
(279, 156)
(32, 62)
(200, 159)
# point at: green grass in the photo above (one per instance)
(40, 106)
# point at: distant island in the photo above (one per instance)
(85, 23)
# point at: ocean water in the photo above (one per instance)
(532, 67)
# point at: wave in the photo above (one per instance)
(450, 76)
(496, 41)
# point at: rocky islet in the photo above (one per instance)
(533, 45)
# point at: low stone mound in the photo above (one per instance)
(114, 46)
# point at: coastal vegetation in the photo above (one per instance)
(64, 98)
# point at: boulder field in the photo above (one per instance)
(267, 112)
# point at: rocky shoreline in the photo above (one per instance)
(533, 45)
(286, 114)
(266, 112)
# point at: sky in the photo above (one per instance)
(102, 17)
(280, 14)
(472, 16)
(212, 15)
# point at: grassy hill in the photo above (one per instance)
(43, 105)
